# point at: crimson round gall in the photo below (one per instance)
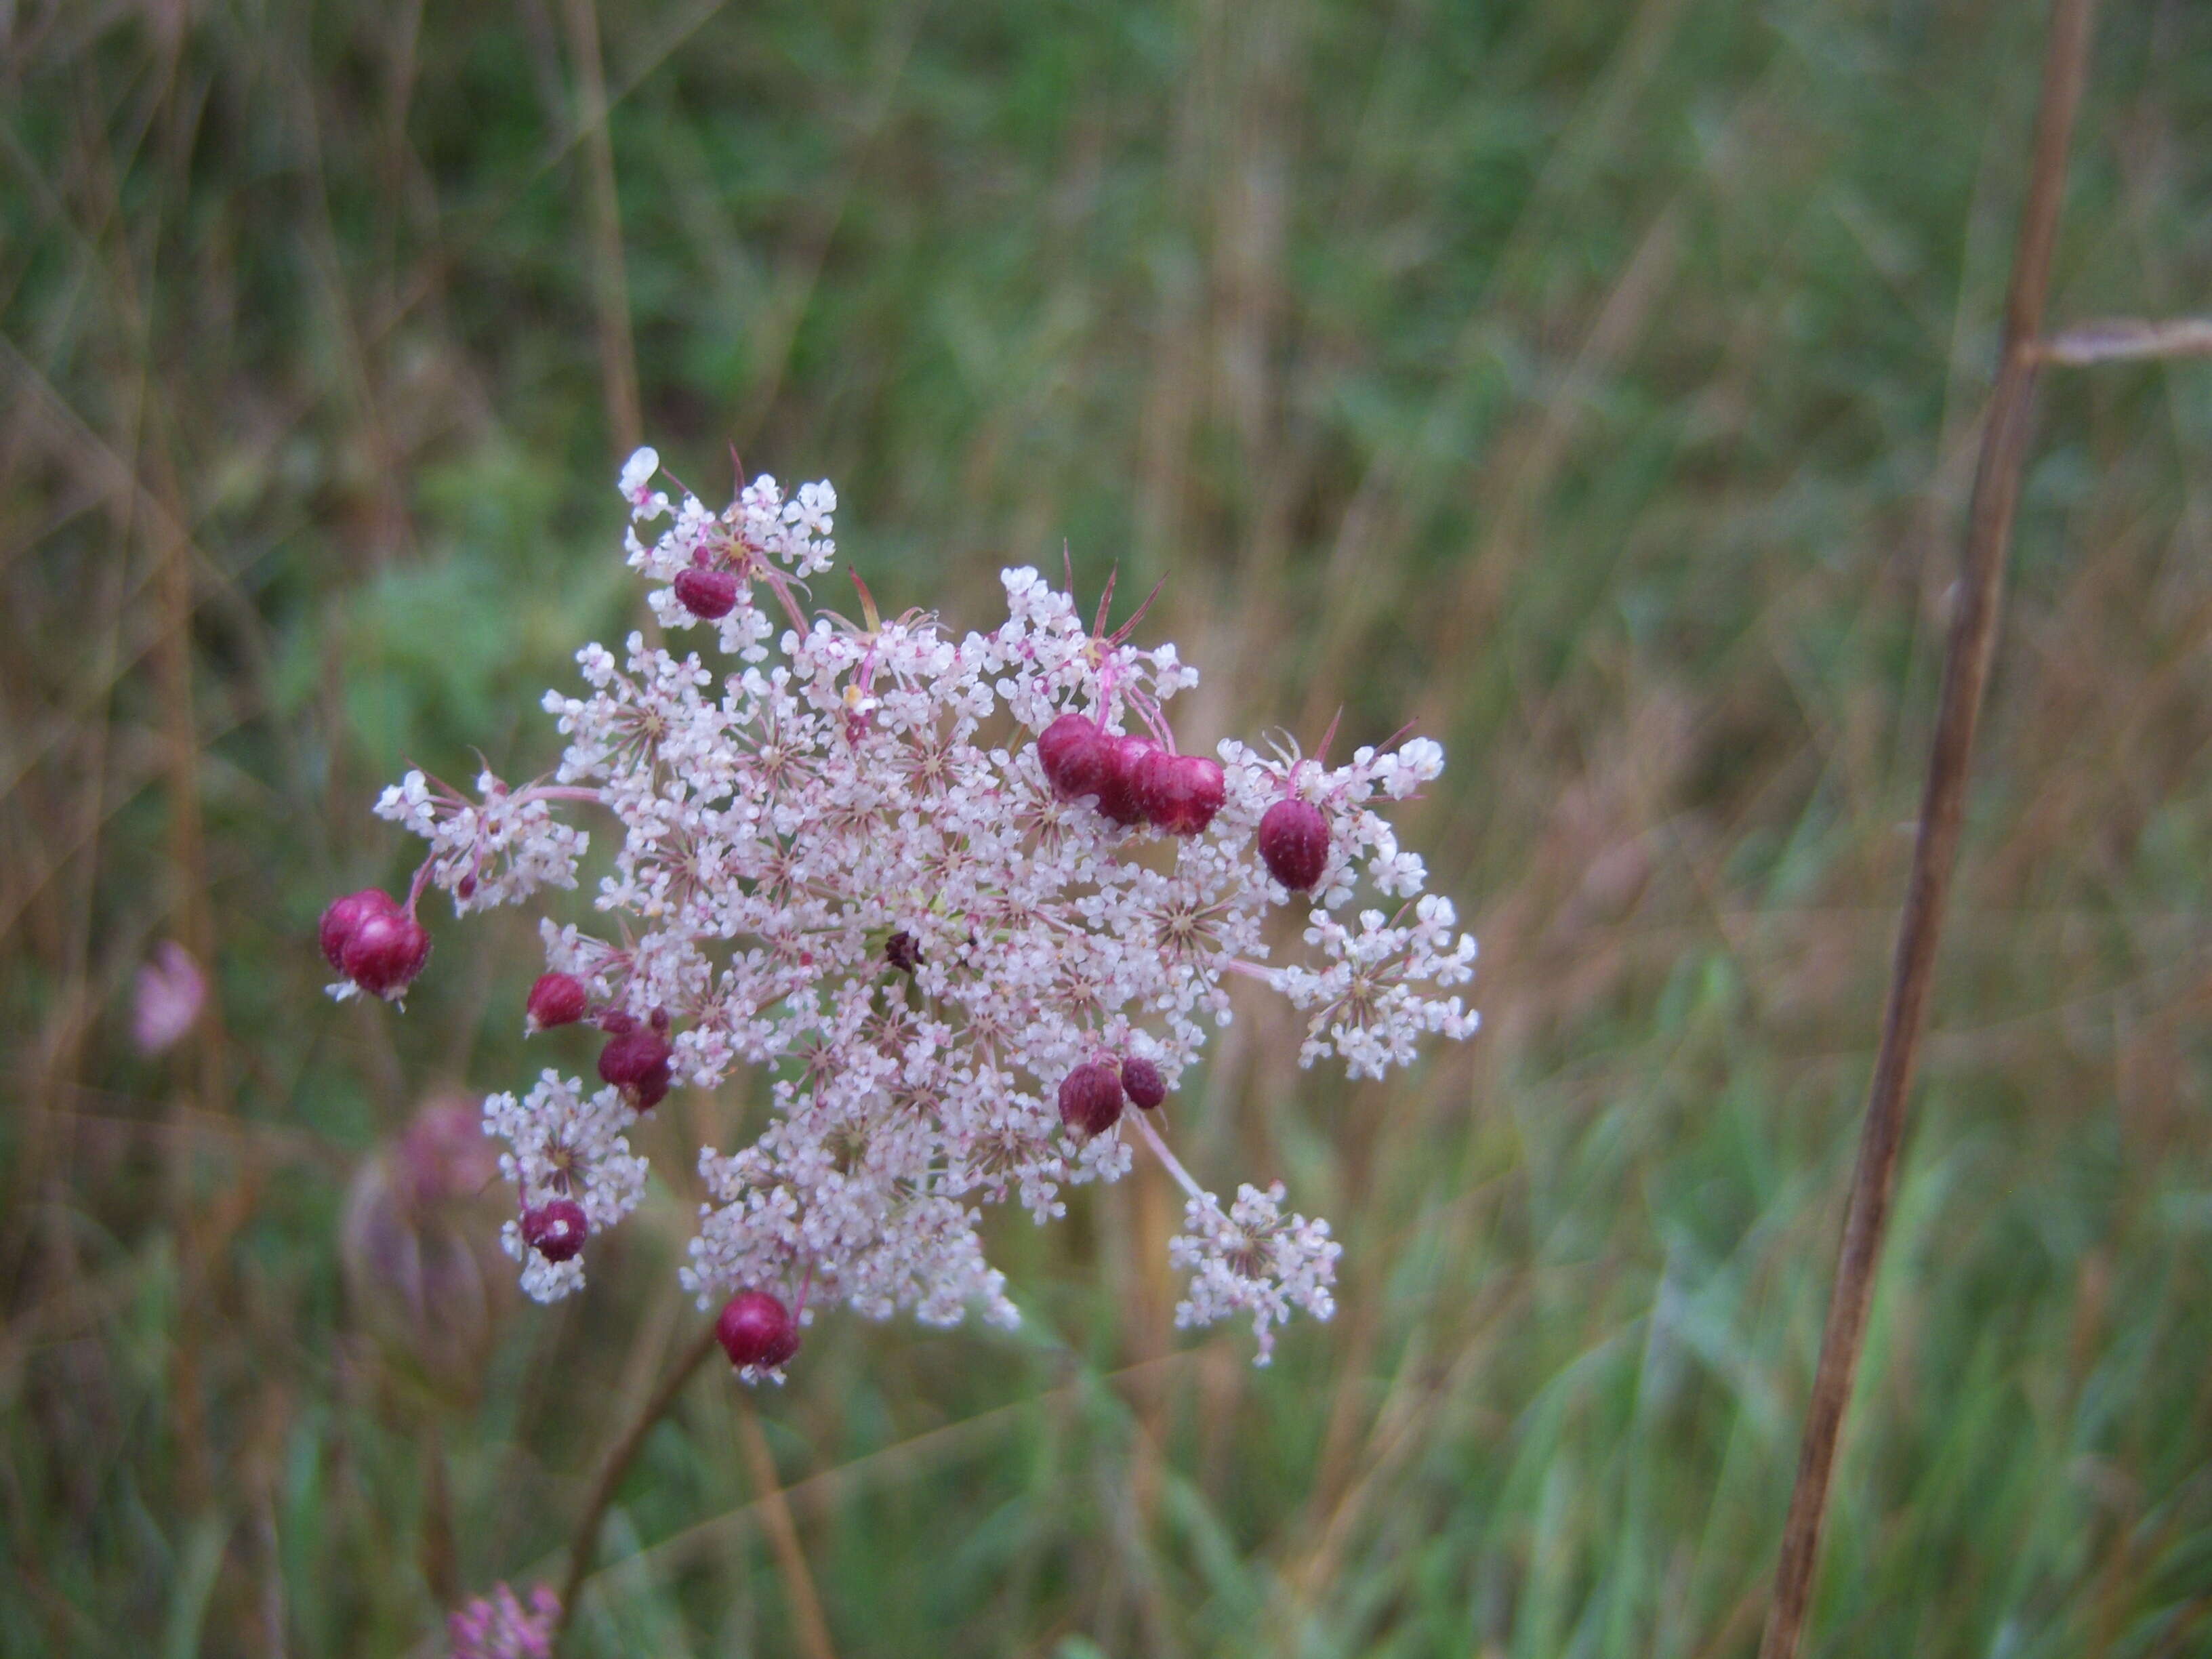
(384, 953)
(1294, 843)
(1073, 751)
(1090, 1099)
(708, 595)
(1142, 1081)
(557, 1229)
(1179, 793)
(635, 1060)
(555, 999)
(1117, 791)
(347, 913)
(755, 1328)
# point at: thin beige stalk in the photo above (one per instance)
(610, 274)
(1965, 673)
(783, 1537)
(2121, 339)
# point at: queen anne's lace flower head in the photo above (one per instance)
(845, 864)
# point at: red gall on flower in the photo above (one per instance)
(635, 1059)
(557, 1229)
(755, 1328)
(1180, 794)
(1142, 1082)
(1090, 1099)
(1294, 843)
(555, 999)
(1074, 753)
(347, 913)
(384, 953)
(709, 595)
(1118, 796)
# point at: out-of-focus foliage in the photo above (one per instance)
(1595, 383)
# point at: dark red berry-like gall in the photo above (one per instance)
(708, 595)
(1073, 752)
(555, 999)
(1142, 1082)
(384, 953)
(1294, 843)
(755, 1328)
(1118, 796)
(347, 913)
(635, 1060)
(557, 1229)
(902, 952)
(1180, 794)
(1090, 1099)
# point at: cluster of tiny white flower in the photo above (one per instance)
(953, 947)
(564, 1144)
(1252, 1261)
(498, 851)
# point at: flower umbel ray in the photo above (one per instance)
(939, 890)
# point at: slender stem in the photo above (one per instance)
(610, 281)
(560, 792)
(1151, 1138)
(584, 1541)
(780, 585)
(1965, 673)
(421, 881)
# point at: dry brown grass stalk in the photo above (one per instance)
(1965, 675)
(610, 275)
(783, 1537)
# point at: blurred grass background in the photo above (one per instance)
(1594, 383)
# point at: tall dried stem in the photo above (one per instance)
(610, 276)
(585, 1542)
(1965, 673)
(813, 1630)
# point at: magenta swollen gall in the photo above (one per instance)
(1294, 843)
(755, 1328)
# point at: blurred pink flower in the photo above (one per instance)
(421, 1264)
(496, 1627)
(172, 990)
(443, 1154)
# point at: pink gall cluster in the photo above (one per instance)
(379, 946)
(955, 902)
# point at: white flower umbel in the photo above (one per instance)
(842, 861)
(564, 1144)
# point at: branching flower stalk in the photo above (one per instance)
(963, 902)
